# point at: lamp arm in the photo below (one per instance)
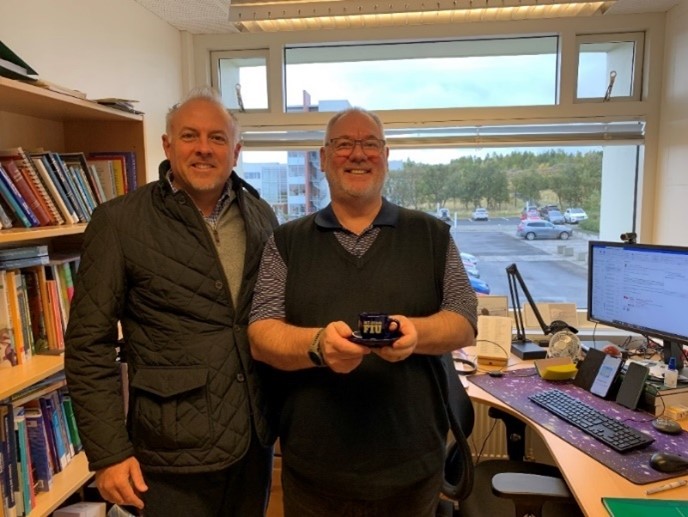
(515, 276)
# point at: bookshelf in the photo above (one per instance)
(33, 118)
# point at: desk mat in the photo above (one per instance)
(514, 388)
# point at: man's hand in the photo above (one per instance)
(340, 354)
(121, 483)
(402, 347)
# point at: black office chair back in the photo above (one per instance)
(458, 475)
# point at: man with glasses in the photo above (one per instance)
(362, 429)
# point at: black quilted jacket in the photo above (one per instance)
(148, 261)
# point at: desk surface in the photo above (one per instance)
(588, 479)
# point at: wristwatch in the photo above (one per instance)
(315, 352)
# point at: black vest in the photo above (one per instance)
(382, 427)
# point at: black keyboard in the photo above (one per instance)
(614, 433)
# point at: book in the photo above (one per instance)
(23, 252)
(130, 168)
(27, 192)
(24, 315)
(15, 200)
(30, 174)
(14, 67)
(637, 507)
(69, 182)
(56, 442)
(24, 262)
(103, 170)
(54, 187)
(56, 168)
(72, 427)
(119, 171)
(36, 307)
(46, 308)
(8, 458)
(8, 350)
(24, 466)
(5, 220)
(15, 318)
(78, 161)
(54, 312)
(40, 450)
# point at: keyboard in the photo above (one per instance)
(614, 433)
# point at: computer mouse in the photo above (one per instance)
(668, 462)
(495, 373)
(667, 425)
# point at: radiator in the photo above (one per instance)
(493, 444)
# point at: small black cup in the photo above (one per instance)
(377, 325)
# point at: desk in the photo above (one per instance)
(588, 479)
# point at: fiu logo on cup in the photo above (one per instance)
(372, 327)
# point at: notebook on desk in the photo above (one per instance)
(493, 342)
(625, 507)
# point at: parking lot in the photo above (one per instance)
(549, 275)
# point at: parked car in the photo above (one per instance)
(531, 213)
(443, 214)
(471, 269)
(575, 215)
(480, 214)
(555, 216)
(479, 286)
(544, 210)
(468, 258)
(542, 230)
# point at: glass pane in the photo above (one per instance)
(505, 72)
(243, 82)
(590, 188)
(598, 61)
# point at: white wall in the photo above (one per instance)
(671, 211)
(105, 48)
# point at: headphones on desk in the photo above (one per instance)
(468, 368)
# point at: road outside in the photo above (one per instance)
(549, 276)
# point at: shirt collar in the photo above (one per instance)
(225, 198)
(387, 216)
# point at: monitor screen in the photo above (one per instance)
(639, 287)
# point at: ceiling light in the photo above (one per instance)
(269, 15)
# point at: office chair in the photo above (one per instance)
(495, 487)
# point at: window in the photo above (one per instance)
(241, 77)
(609, 66)
(434, 74)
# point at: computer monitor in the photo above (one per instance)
(641, 288)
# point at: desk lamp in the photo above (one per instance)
(520, 345)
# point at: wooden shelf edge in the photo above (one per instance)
(71, 479)
(22, 376)
(17, 235)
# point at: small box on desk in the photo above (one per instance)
(81, 510)
(656, 398)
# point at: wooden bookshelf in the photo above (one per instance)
(35, 118)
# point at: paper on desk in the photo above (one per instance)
(494, 339)
(551, 311)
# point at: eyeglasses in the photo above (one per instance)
(345, 146)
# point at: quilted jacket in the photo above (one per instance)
(148, 262)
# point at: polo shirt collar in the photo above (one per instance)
(387, 216)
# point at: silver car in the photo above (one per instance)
(542, 230)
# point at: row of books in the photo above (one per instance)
(44, 188)
(38, 439)
(35, 293)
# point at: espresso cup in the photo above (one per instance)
(377, 325)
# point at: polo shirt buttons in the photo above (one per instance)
(218, 285)
(241, 377)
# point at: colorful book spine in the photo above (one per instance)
(54, 187)
(68, 409)
(27, 192)
(8, 349)
(12, 197)
(15, 318)
(40, 450)
(25, 467)
(35, 300)
(8, 454)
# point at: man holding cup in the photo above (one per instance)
(363, 426)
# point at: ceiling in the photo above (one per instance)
(213, 16)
